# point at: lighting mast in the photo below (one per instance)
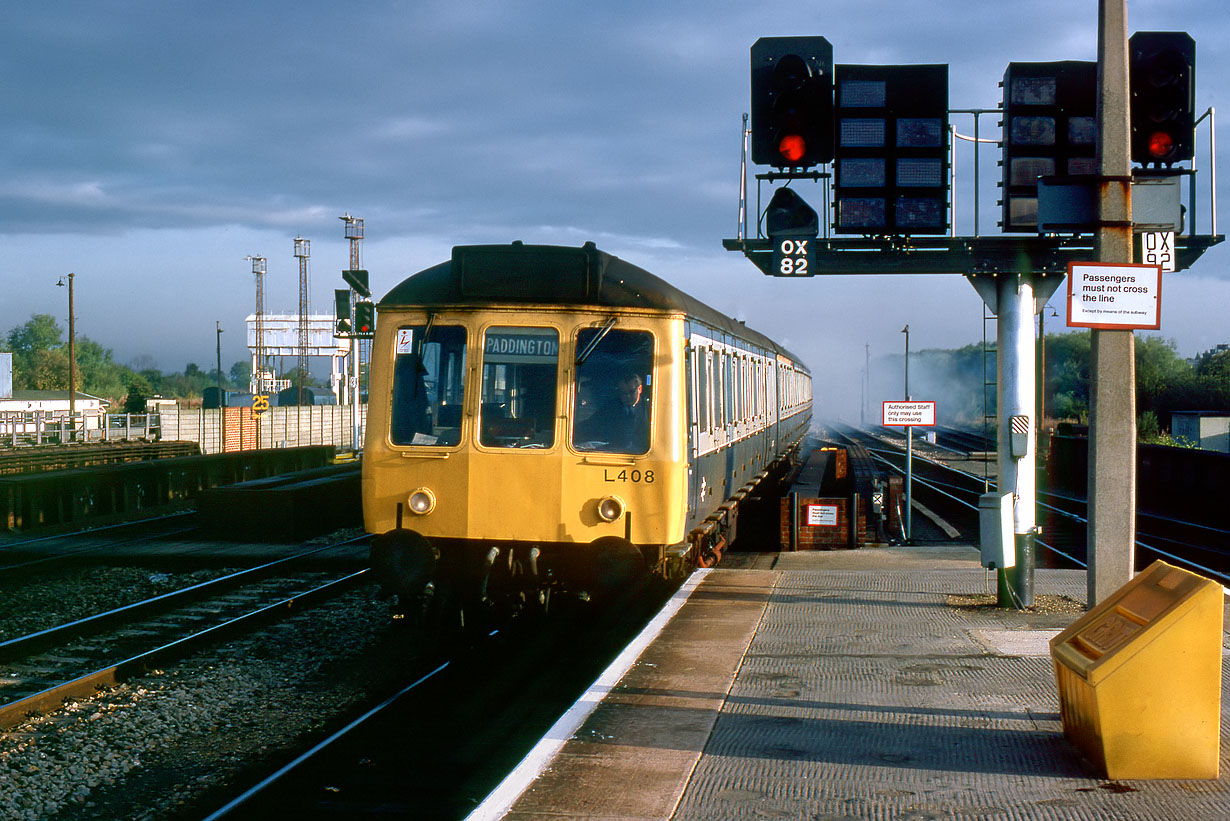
(302, 252)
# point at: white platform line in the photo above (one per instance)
(501, 799)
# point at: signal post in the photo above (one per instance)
(355, 317)
(1067, 177)
(1111, 541)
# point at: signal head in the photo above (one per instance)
(1162, 74)
(792, 101)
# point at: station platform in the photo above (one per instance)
(876, 683)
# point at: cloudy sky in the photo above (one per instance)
(150, 146)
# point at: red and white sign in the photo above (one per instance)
(822, 515)
(1114, 296)
(908, 414)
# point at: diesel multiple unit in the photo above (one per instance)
(545, 418)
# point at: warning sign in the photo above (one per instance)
(822, 515)
(1114, 296)
(909, 414)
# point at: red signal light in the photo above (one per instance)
(792, 147)
(1161, 145)
(364, 318)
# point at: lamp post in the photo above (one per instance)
(909, 450)
(72, 358)
(862, 409)
(221, 404)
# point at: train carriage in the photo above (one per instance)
(545, 418)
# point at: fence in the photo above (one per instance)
(279, 427)
(39, 427)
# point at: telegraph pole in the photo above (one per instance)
(1112, 419)
(221, 404)
(72, 359)
(909, 450)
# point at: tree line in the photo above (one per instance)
(40, 363)
(1165, 382)
(960, 380)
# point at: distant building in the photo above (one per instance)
(53, 402)
(24, 411)
(1209, 430)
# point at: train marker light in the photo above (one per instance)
(1162, 77)
(610, 508)
(422, 501)
(792, 101)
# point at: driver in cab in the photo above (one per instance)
(621, 423)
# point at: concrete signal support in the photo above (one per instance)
(1111, 544)
(1014, 299)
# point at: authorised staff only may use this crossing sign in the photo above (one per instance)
(909, 414)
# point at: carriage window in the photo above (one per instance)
(702, 390)
(520, 367)
(614, 386)
(429, 368)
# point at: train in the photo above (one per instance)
(547, 420)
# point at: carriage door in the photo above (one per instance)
(690, 368)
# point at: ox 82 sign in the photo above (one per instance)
(792, 256)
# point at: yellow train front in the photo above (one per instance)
(545, 419)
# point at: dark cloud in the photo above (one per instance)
(230, 124)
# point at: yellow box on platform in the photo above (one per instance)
(1139, 677)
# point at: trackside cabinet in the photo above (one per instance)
(1139, 677)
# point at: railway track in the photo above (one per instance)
(436, 747)
(1062, 518)
(472, 705)
(39, 671)
(15, 555)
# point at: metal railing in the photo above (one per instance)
(40, 427)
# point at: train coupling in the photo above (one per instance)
(404, 563)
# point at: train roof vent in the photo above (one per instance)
(529, 273)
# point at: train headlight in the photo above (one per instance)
(422, 501)
(610, 508)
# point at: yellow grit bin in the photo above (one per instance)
(1139, 677)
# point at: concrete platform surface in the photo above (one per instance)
(841, 685)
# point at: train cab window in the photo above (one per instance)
(520, 374)
(613, 391)
(429, 365)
